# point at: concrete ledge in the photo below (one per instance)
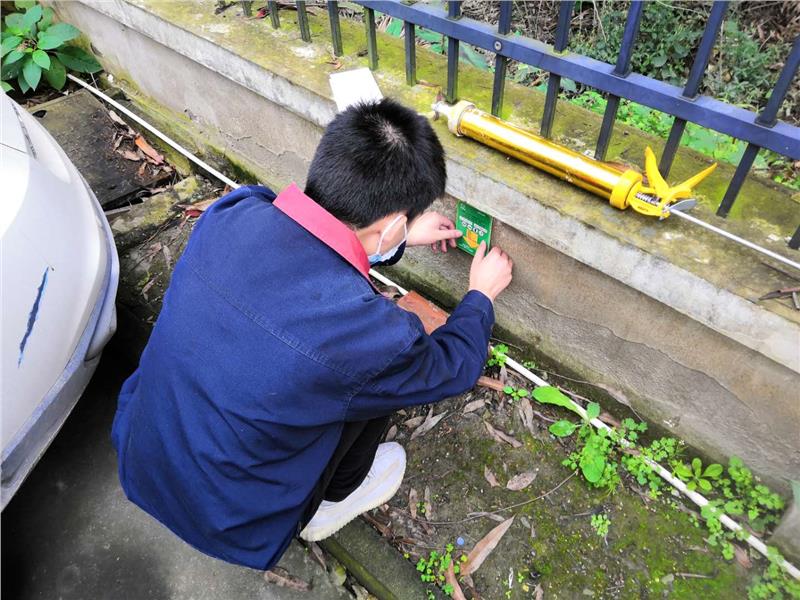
(702, 295)
(661, 313)
(376, 564)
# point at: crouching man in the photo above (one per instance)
(260, 402)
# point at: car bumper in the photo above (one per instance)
(29, 444)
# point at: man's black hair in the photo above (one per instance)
(374, 159)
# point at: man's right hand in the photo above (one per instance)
(490, 273)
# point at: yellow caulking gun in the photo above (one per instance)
(621, 188)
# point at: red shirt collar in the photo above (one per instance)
(324, 226)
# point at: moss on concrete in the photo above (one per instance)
(310, 65)
(652, 550)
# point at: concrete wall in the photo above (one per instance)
(661, 315)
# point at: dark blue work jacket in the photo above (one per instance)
(270, 338)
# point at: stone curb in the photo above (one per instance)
(375, 564)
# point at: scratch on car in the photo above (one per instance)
(32, 315)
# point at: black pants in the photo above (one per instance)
(349, 464)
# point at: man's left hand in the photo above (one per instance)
(434, 229)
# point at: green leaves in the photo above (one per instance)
(47, 18)
(592, 465)
(549, 395)
(6, 87)
(682, 471)
(562, 428)
(31, 17)
(31, 72)
(41, 58)
(15, 24)
(56, 75)
(10, 43)
(56, 35)
(592, 411)
(12, 57)
(33, 47)
(78, 59)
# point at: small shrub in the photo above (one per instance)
(34, 47)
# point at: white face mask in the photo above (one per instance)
(389, 254)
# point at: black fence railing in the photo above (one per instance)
(759, 130)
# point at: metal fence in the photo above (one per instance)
(759, 130)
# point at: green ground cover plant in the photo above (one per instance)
(733, 490)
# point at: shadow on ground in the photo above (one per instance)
(70, 533)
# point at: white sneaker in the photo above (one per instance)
(381, 483)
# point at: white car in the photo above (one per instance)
(58, 282)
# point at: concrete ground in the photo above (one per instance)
(70, 533)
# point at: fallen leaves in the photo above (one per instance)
(117, 119)
(521, 481)
(130, 155)
(450, 577)
(148, 150)
(525, 411)
(484, 547)
(317, 554)
(282, 578)
(414, 422)
(742, 557)
(429, 423)
(490, 477)
(473, 406)
(428, 504)
(413, 499)
(198, 208)
(136, 148)
(501, 436)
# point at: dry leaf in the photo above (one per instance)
(473, 406)
(118, 140)
(117, 119)
(488, 515)
(413, 498)
(167, 256)
(147, 287)
(521, 481)
(429, 423)
(538, 592)
(413, 422)
(526, 413)
(503, 375)
(142, 169)
(282, 578)
(489, 476)
(392, 433)
(428, 504)
(742, 557)
(484, 547)
(384, 528)
(450, 577)
(134, 156)
(501, 436)
(318, 555)
(142, 144)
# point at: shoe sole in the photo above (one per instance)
(321, 532)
